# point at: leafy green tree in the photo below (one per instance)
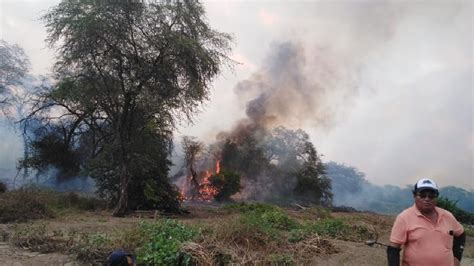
(51, 147)
(127, 70)
(460, 214)
(14, 64)
(312, 184)
(227, 184)
(282, 161)
(464, 198)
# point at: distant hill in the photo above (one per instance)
(350, 188)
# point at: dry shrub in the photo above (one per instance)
(311, 247)
(229, 240)
(32, 203)
(75, 201)
(315, 213)
(23, 205)
(200, 254)
(85, 247)
(92, 247)
(36, 238)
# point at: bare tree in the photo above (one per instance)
(192, 149)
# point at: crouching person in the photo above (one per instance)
(121, 258)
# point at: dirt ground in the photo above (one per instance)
(350, 253)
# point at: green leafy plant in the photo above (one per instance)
(227, 184)
(251, 207)
(461, 215)
(332, 227)
(272, 222)
(163, 242)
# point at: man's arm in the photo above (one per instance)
(393, 254)
(458, 245)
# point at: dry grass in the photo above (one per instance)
(244, 235)
(32, 203)
(229, 240)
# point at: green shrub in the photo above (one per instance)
(297, 235)
(272, 222)
(251, 207)
(329, 227)
(163, 241)
(461, 215)
(227, 184)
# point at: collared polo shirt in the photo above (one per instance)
(426, 243)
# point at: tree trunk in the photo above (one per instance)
(122, 206)
(194, 183)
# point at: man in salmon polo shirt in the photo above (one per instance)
(429, 235)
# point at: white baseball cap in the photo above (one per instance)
(425, 183)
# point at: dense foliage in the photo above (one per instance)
(162, 242)
(278, 165)
(461, 215)
(13, 66)
(227, 184)
(126, 72)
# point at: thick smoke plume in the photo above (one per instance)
(266, 148)
(291, 90)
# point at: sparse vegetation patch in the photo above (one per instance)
(31, 203)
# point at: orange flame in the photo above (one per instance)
(205, 190)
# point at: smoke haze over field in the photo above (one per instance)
(383, 86)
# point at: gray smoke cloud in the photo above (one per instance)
(283, 93)
(288, 91)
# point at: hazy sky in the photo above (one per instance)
(394, 80)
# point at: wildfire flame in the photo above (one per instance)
(218, 166)
(205, 190)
